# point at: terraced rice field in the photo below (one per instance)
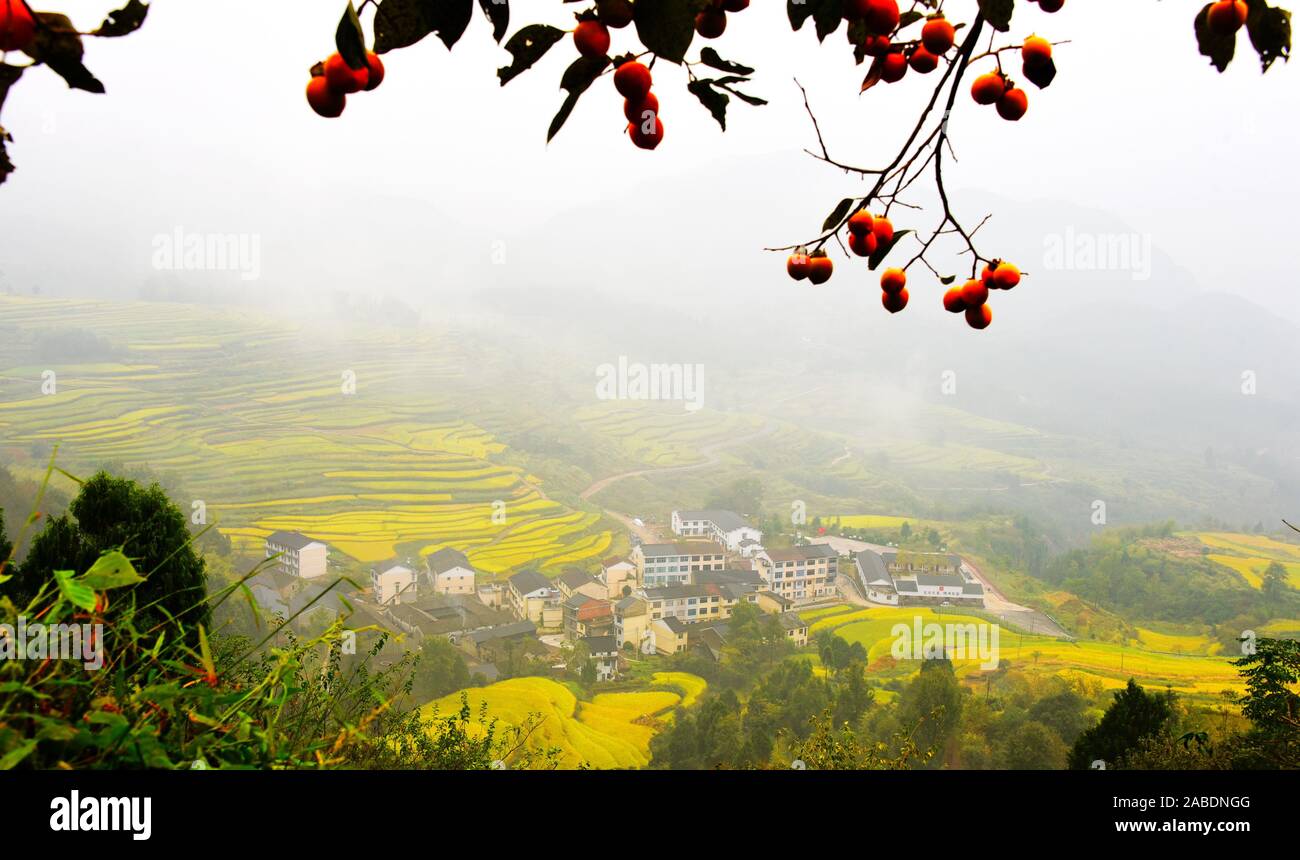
(611, 731)
(252, 418)
(690, 686)
(1194, 675)
(1249, 555)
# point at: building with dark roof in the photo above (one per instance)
(727, 528)
(297, 555)
(659, 564)
(917, 579)
(802, 574)
(448, 571)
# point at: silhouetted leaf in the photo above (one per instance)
(498, 12)
(713, 99)
(882, 251)
(998, 13)
(399, 23)
(527, 47)
(667, 27)
(126, 20)
(837, 216)
(709, 57)
(1219, 48)
(577, 78)
(350, 39)
(910, 17)
(827, 17)
(1270, 32)
(58, 45)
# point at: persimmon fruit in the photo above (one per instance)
(820, 267)
(979, 317)
(647, 138)
(343, 78)
(324, 99)
(632, 80)
(17, 27)
(1013, 104)
(988, 88)
(592, 38)
(894, 302)
(938, 36)
(893, 280)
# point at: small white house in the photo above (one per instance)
(298, 555)
(726, 527)
(396, 584)
(449, 572)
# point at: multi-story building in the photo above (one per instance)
(449, 572)
(395, 584)
(299, 555)
(662, 564)
(586, 616)
(801, 574)
(574, 581)
(692, 603)
(724, 527)
(619, 576)
(530, 594)
(632, 623)
(604, 652)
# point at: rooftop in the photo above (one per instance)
(696, 547)
(802, 553)
(292, 540)
(725, 520)
(445, 559)
(528, 581)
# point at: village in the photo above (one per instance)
(660, 599)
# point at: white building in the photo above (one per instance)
(449, 572)
(298, 554)
(394, 585)
(801, 574)
(903, 578)
(726, 527)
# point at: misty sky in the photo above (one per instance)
(205, 127)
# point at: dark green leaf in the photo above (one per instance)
(713, 99)
(883, 250)
(399, 23)
(577, 78)
(77, 593)
(58, 45)
(498, 12)
(908, 18)
(350, 39)
(1270, 32)
(667, 27)
(827, 18)
(709, 57)
(998, 13)
(837, 217)
(947, 280)
(126, 20)
(8, 77)
(111, 570)
(1219, 48)
(801, 10)
(527, 47)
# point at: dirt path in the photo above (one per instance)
(711, 458)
